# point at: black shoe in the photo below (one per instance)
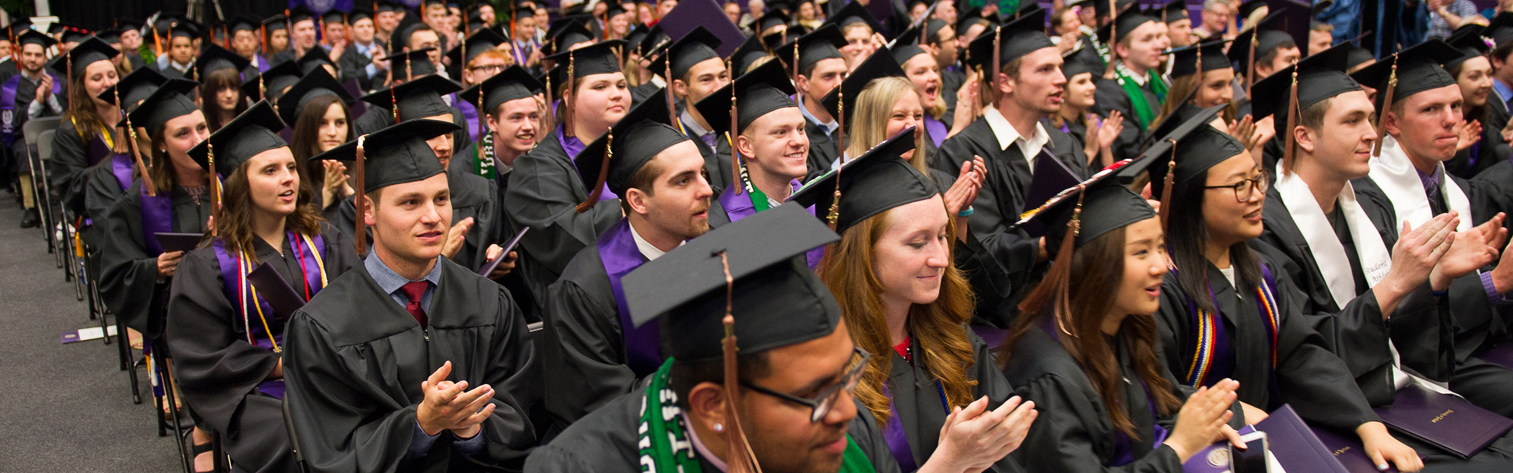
(31, 219)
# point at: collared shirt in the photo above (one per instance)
(1007, 135)
(692, 125)
(367, 52)
(651, 252)
(829, 128)
(391, 282)
(1432, 188)
(1504, 92)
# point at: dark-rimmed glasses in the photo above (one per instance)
(1246, 189)
(825, 400)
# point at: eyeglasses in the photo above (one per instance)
(490, 68)
(826, 399)
(1246, 189)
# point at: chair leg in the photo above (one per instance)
(165, 374)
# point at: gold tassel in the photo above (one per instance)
(360, 175)
(131, 143)
(1166, 188)
(215, 185)
(609, 153)
(840, 120)
(735, 154)
(1381, 131)
(1059, 275)
(1292, 115)
(1250, 68)
(798, 98)
(738, 457)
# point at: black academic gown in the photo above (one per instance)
(1002, 199)
(1110, 97)
(951, 79)
(583, 341)
(129, 275)
(354, 66)
(643, 91)
(1490, 150)
(1472, 319)
(822, 152)
(218, 370)
(1357, 332)
(1306, 375)
(917, 399)
(473, 197)
(543, 193)
(355, 360)
(101, 191)
(68, 168)
(716, 160)
(1074, 432)
(605, 440)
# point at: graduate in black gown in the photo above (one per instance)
(1024, 98)
(457, 365)
(697, 72)
(404, 68)
(796, 365)
(591, 349)
(226, 344)
(1474, 156)
(820, 68)
(905, 301)
(1137, 89)
(545, 189)
(104, 184)
(472, 196)
(773, 148)
(272, 83)
(1087, 354)
(1229, 312)
(1409, 183)
(85, 136)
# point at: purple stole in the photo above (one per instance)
(572, 146)
(991, 336)
(262, 63)
(469, 113)
(739, 207)
(893, 432)
(157, 210)
(618, 251)
(233, 283)
(1124, 451)
(1213, 358)
(8, 106)
(936, 131)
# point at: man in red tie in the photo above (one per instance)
(413, 362)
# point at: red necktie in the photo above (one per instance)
(413, 291)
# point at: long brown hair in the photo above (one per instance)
(234, 224)
(306, 141)
(210, 85)
(1184, 90)
(874, 106)
(81, 112)
(939, 327)
(1079, 301)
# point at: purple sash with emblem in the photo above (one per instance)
(231, 284)
(8, 107)
(617, 249)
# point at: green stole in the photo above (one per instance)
(1144, 112)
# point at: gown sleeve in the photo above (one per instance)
(1111, 97)
(1061, 441)
(514, 373)
(67, 166)
(218, 369)
(128, 275)
(1310, 377)
(542, 195)
(581, 336)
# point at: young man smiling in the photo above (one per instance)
(773, 146)
(1137, 89)
(820, 68)
(460, 375)
(659, 175)
(697, 71)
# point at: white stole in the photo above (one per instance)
(1399, 180)
(1325, 245)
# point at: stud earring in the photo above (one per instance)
(718, 427)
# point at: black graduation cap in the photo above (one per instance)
(275, 23)
(166, 102)
(402, 31)
(87, 52)
(971, 17)
(1174, 11)
(772, 19)
(853, 13)
(112, 36)
(774, 298)
(878, 180)
(693, 48)
(653, 40)
(902, 52)
(1468, 39)
(71, 32)
(757, 93)
(570, 32)
(313, 59)
(1417, 69)
(1249, 7)
(1186, 58)
(1125, 23)
(245, 22)
(419, 98)
(1500, 29)
(186, 28)
(385, 6)
(315, 84)
(214, 58)
(1318, 77)
(749, 52)
(614, 10)
(55, 27)
(32, 36)
(124, 23)
(135, 87)
(397, 154)
(876, 66)
(1081, 60)
(823, 43)
(1358, 56)
(637, 138)
(513, 83)
(600, 58)
(300, 13)
(1267, 35)
(1189, 160)
(1106, 205)
(274, 80)
(359, 14)
(252, 132)
(412, 64)
(482, 40)
(1100, 8)
(1015, 39)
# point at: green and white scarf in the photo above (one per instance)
(666, 446)
(759, 200)
(484, 156)
(1144, 112)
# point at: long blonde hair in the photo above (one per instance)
(939, 327)
(869, 124)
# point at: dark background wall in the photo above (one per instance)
(100, 14)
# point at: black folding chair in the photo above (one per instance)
(32, 132)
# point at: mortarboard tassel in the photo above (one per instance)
(1166, 187)
(131, 143)
(840, 121)
(798, 99)
(482, 128)
(551, 112)
(609, 153)
(739, 456)
(1250, 68)
(1376, 150)
(1292, 112)
(735, 154)
(215, 185)
(834, 216)
(568, 97)
(1053, 289)
(361, 199)
(992, 77)
(672, 110)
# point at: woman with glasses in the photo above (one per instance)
(1227, 311)
(1085, 348)
(904, 300)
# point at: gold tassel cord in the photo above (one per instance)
(739, 456)
(609, 153)
(1166, 187)
(1292, 112)
(131, 144)
(359, 174)
(1381, 118)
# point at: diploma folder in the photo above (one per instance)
(274, 289)
(1295, 445)
(178, 241)
(1445, 421)
(488, 266)
(1051, 177)
(1347, 448)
